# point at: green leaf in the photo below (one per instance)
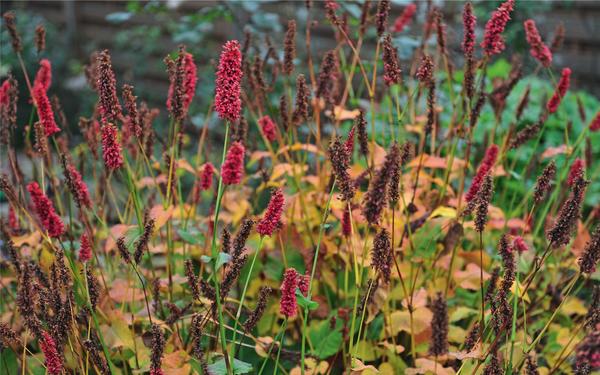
(327, 341)
(239, 367)
(222, 258)
(305, 302)
(196, 238)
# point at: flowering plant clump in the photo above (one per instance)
(347, 211)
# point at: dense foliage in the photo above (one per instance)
(351, 212)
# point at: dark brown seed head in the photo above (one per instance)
(233, 272)
(11, 26)
(531, 367)
(508, 264)
(131, 105)
(377, 195)
(591, 253)
(526, 134)
(300, 114)
(241, 237)
(472, 338)
(192, 279)
(284, 114)
(363, 138)
(259, 310)
(158, 347)
(381, 18)
(564, 225)
(543, 184)
(97, 359)
(491, 289)
(123, 251)
(391, 65)
(326, 79)
(592, 318)
(142, 243)
(476, 110)
(110, 107)
(381, 258)
(493, 367)
(7, 335)
(40, 38)
(338, 155)
(289, 50)
(484, 197)
(439, 327)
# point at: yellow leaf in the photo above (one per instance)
(360, 368)
(444, 211)
(574, 306)
(425, 366)
(401, 320)
(386, 368)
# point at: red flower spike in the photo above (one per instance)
(538, 50)
(44, 110)
(228, 103)
(268, 127)
(493, 42)
(288, 304)
(405, 18)
(576, 171)
(43, 77)
(85, 250)
(206, 177)
(111, 149)
(486, 165)
(272, 218)
(561, 90)
(233, 168)
(53, 361)
(45, 211)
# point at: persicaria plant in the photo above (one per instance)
(354, 210)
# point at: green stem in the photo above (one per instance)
(312, 276)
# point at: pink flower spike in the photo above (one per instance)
(520, 245)
(538, 50)
(44, 110)
(45, 211)
(206, 177)
(268, 127)
(576, 171)
(405, 18)
(111, 149)
(595, 124)
(85, 250)
(486, 165)
(272, 218)
(289, 304)
(233, 168)
(228, 103)
(53, 362)
(493, 41)
(43, 77)
(561, 90)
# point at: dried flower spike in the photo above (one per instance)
(11, 26)
(40, 38)
(591, 253)
(381, 259)
(381, 18)
(377, 195)
(560, 233)
(338, 154)
(544, 182)
(289, 50)
(439, 327)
